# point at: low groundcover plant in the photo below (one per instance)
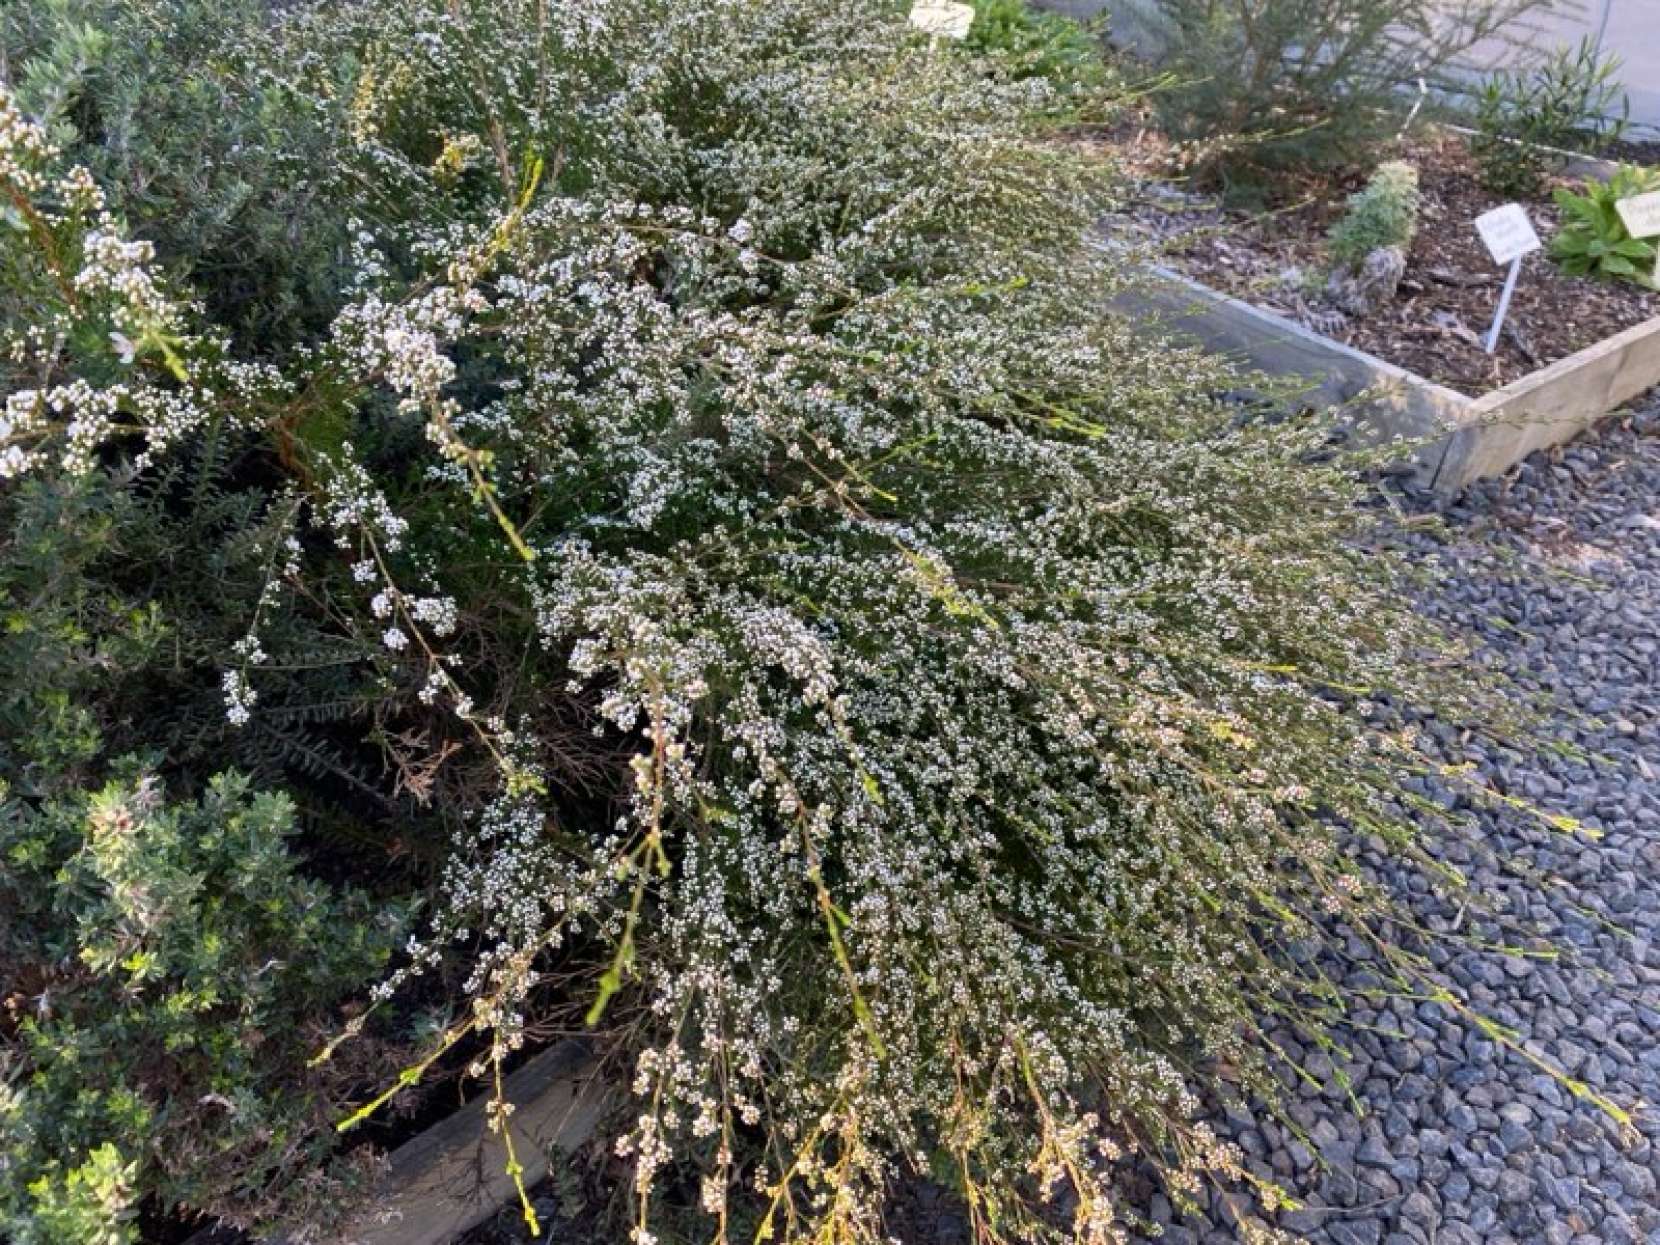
(1593, 240)
(1383, 213)
(895, 706)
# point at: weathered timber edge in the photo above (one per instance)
(1552, 405)
(1387, 402)
(453, 1176)
(1456, 439)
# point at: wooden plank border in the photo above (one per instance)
(1458, 439)
(1552, 405)
(453, 1176)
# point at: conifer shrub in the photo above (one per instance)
(1296, 87)
(898, 709)
(166, 969)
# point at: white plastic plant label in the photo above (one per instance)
(1641, 214)
(942, 18)
(1507, 233)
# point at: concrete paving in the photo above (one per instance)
(1629, 29)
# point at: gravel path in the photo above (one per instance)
(1459, 1141)
(1462, 1142)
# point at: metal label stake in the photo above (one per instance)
(1504, 303)
(1508, 235)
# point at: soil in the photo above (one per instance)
(1635, 151)
(1435, 324)
(580, 1202)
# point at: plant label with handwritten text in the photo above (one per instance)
(1507, 233)
(1640, 214)
(943, 19)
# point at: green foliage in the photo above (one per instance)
(900, 706)
(166, 975)
(91, 1203)
(1526, 118)
(120, 593)
(1034, 43)
(164, 1064)
(1266, 86)
(226, 169)
(1384, 213)
(1593, 240)
(119, 598)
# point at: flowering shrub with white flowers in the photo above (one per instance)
(896, 706)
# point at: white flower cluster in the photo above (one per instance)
(356, 506)
(86, 277)
(924, 603)
(959, 675)
(240, 697)
(401, 344)
(25, 149)
(112, 266)
(25, 416)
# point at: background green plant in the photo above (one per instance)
(1569, 101)
(1275, 86)
(167, 973)
(184, 957)
(1593, 241)
(1037, 43)
(122, 592)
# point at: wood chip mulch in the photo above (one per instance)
(1435, 324)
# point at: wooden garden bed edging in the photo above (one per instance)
(1459, 439)
(453, 1176)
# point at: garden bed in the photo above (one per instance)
(1250, 284)
(1435, 325)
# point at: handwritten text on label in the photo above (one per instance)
(1641, 214)
(1507, 233)
(943, 18)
